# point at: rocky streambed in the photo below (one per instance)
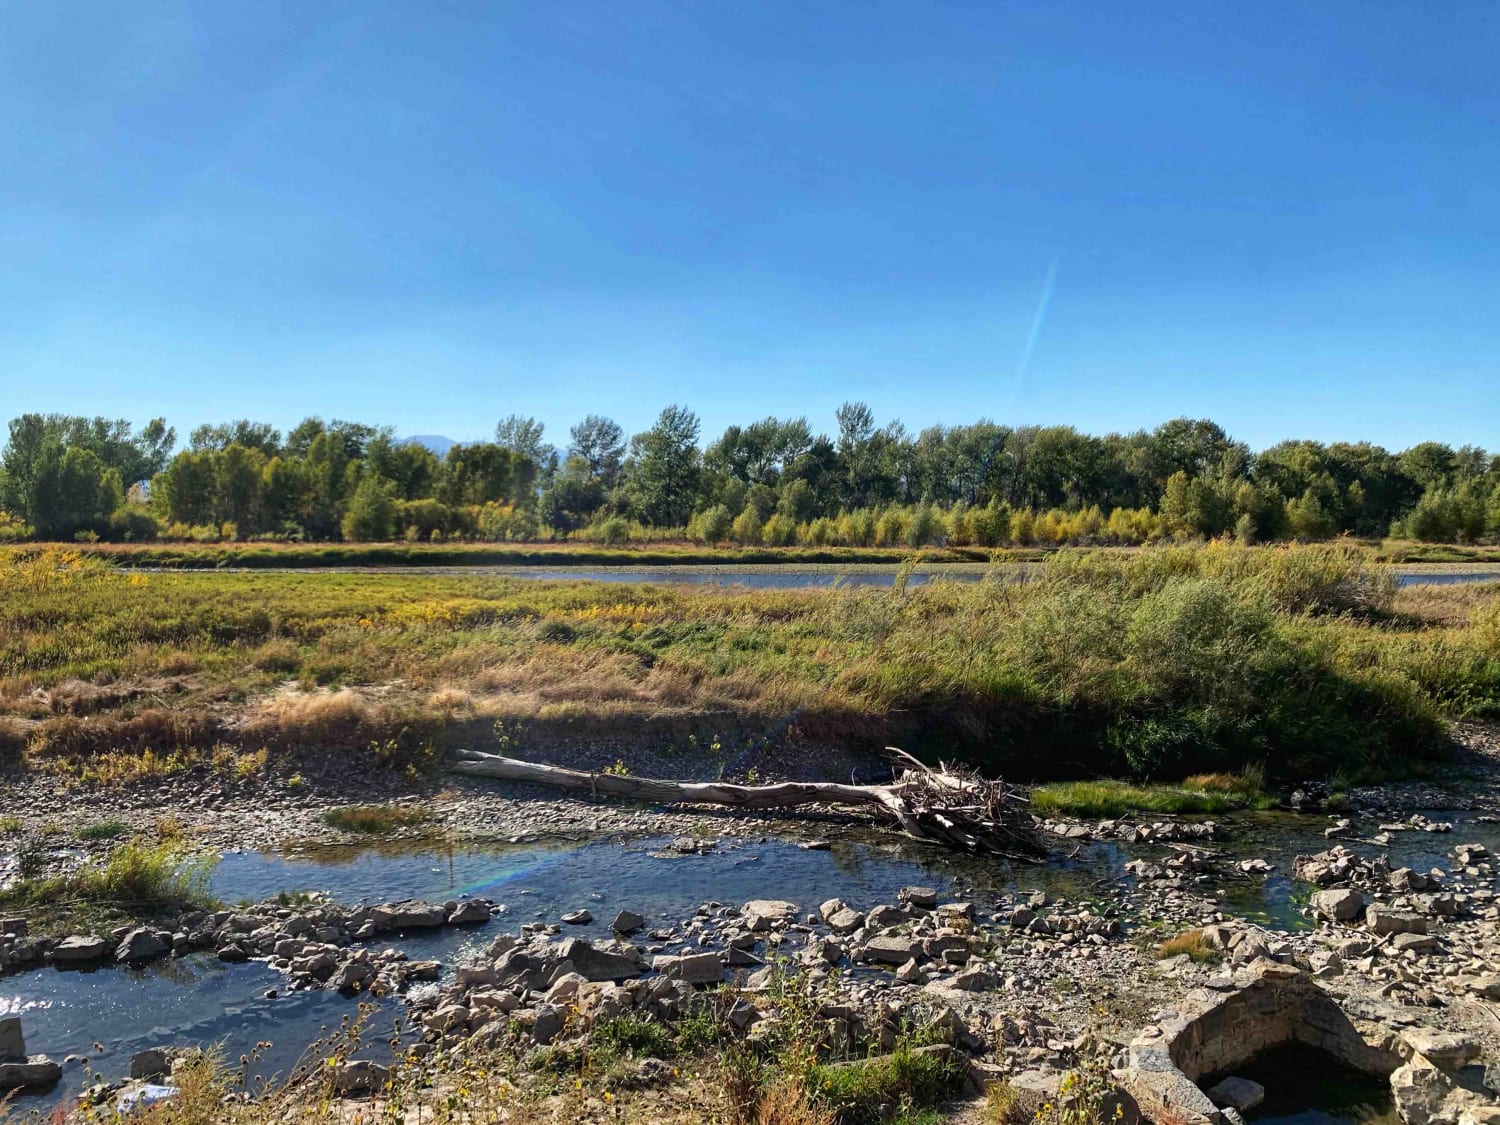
(456, 941)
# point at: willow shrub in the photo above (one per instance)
(1164, 663)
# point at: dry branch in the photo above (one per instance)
(948, 804)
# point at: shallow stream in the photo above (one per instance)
(199, 999)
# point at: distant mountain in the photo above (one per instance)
(435, 442)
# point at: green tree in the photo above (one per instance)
(371, 513)
(664, 469)
(73, 492)
(600, 442)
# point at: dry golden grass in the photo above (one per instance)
(311, 713)
(1452, 606)
(1191, 942)
(785, 1102)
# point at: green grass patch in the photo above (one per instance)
(373, 820)
(137, 879)
(884, 1088)
(1202, 795)
(102, 830)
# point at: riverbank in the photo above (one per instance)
(1081, 939)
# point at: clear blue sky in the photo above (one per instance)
(1284, 217)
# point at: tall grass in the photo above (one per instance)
(1155, 665)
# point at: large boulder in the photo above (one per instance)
(360, 1076)
(1238, 1094)
(1387, 920)
(472, 912)
(1446, 1050)
(141, 945)
(37, 1071)
(1339, 905)
(598, 964)
(150, 1064)
(81, 948)
(627, 922)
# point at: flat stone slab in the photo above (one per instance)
(891, 949)
(1237, 1093)
(1446, 1050)
(38, 1070)
(408, 916)
(1383, 920)
(82, 947)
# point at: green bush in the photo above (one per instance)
(874, 1090)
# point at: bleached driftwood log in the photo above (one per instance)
(954, 806)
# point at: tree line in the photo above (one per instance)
(775, 481)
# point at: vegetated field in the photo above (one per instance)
(1155, 664)
(302, 556)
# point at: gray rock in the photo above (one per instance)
(81, 948)
(565, 987)
(470, 913)
(1022, 916)
(976, 978)
(890, 949)
(15, 927)
(1339, 905)
(911, 973)
(578, 917)
(845, 920)
(351, 976)
(548, 1024)
(761, 914)
(360, 1076)
(410, 915)
(692, 968)
(627, 922)
(1446, 1050)
(598, 964)
(923, 897)
(150, 1064)
(1237, 1093)
(38, 1071)
(141, 945)
(12, 1040)
(1386, 920)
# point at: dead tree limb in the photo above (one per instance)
(948, 804)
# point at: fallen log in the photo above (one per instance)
(949, 804)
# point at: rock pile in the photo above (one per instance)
(318, 946)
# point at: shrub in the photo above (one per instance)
(614, 531)
(714, 524)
